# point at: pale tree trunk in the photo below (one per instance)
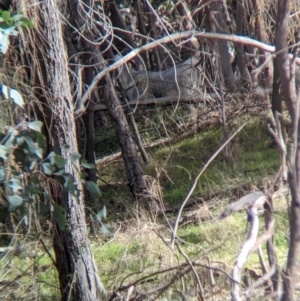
(74, 259)
(287, 75)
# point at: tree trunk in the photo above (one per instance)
(77, 271)
(217, 23)
(133, 167)
(287, 75)
(135, 175)
(241, 57)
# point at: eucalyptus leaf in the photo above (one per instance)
(60, 216)
(39, 153)
(26, 23)
(59, 161)
(40, 140)
(15, 185)
(101, 215)
(35, 125)
(70, 184)
(93, 188)
(107, 229)
(15, 200)
(17, 17)
(74, 157)
(85, 164)
(31, 145)
(48, 168)
(16, 97)
(5, 15)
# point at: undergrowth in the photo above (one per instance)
(138, 253)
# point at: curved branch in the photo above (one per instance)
(170, 38)
(244, 252)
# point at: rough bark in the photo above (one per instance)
(77, 271)
(133, 167)
(217, 23)
(134, 171)
(287, 74)
(266, 76)
(241, 57)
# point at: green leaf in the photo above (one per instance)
(60, 216)
(39, 153)
(3, 151)
(107, 229)
(35, 125)
(85, 164)
(101, 215)
(15, 185)
(16, 17)
(15, 200)
(6, 16)
(40, 140)
(74, 157)
(31, 145)
(10, 93)
(93, 188)
(83, 175)
(70, 184)
(57, 159)
(26, 22)
(48, 168)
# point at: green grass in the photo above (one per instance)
(140, 247)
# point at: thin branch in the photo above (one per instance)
(173, 236)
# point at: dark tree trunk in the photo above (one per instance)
(134, 170)
(241, 57)
(217, 19)
(76, 267)
(133, 167)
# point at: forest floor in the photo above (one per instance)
(137, 258)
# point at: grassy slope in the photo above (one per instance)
(249, 162)
(141, 248)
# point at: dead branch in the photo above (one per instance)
(253, 202)
(168, 39)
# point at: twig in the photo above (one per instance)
(173, 236)
(194, 271)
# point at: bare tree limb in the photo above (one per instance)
(248, 245)
(168, 39)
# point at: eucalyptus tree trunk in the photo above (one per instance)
(287, 75)
(76, 267)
